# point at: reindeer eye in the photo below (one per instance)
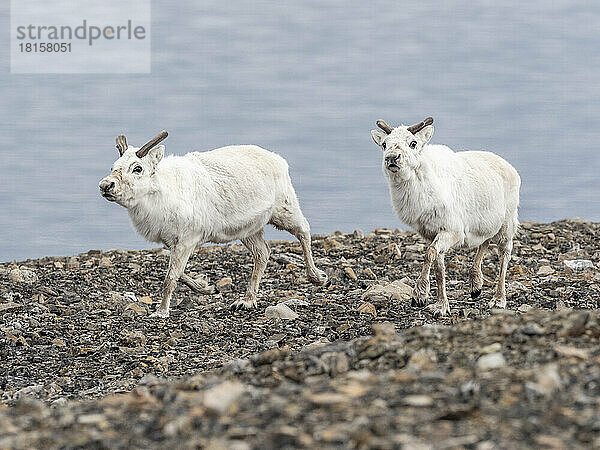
(137, 169)
(383, 145)
(413, 144)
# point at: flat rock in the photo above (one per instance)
(280, 311)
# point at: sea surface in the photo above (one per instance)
(308, 80)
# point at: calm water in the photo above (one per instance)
(308, 80)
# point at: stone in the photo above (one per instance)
(492, 348)
(225, 284)
(419, 401)
(491, 361)
(574, 352)
(146, 299)
(105, 262)
(358, 234)
(578, 265)
(28, 391)
(58, 402)
(59, 342)
(369, 273)
(524, 308)
(533, 329)
(575, 324)
(331, 244)
(545, 271)
(367, 308)
(547, 380)
(396, 290)
(280, 311)
(220, 398)
(350, 273)
(422, 360)
(22, 276)
(137, 308)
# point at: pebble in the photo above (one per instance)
(225, 284)
(575, 324)
(358, 234)
(547, 379)
(280, 311)
(396, 290)
(524, 308)
(369, 273)
(59, 342)
(492, 348)
(105, 262)
(420, 401)
(137, 308)
(350, 273)
(331, 244)
(221, 397)
(545, 270)
(491, 361)
(578, 265)
(533, 329)
(367, 308)
(22, 276)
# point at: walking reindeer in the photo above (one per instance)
(452, 199)
(217, 196)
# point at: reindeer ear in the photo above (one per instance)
(378, 136)
(425, 134)
(156, 154)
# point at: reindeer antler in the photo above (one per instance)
(143, 151)
(121, 144)
(419, 126)
(384, 126)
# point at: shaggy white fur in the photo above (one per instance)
(465, 199)
(216, 196)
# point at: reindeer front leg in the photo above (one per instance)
(435, 252)
(180, 254)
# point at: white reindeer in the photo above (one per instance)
(465, 199)
(217, 196)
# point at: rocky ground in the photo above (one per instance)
(354, 365)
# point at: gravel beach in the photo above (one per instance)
(352, 364)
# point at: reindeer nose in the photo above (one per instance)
(391, 159)
(107, 186)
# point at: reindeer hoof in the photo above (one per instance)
(476, 293)
(417, 303)
(421, 293)
(439, 309)
(245, 303)
(498, 302)
(320, 279)
(160, 313)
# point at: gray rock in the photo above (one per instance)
(578, 265)
(491, 361)
(22, 276)
(396, 290)
(280, 311)
(28, 391)
(219, 398)
(575, 325)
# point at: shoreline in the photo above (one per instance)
(358, 365)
